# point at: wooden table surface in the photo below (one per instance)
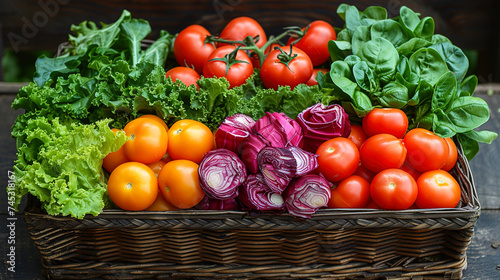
(483, 254)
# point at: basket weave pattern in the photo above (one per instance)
(334, 243)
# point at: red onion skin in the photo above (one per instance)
(227, 161)
(254, 194)
(277, 163)
(320, 123)
(233, 131)
(300, 188)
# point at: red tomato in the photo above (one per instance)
(452, 155)
(364, 172)
(113, 160)
(241, 27)
(426, 150)
(282, 68)
(148, 140)
(312, 80)
(315, 41)
(386, 120)
(357, 135)
(338, 158)
(186, 75)
(352, 192)
(255, 58)
(190, 48)
(133, 186)
(160, 204)
(222, 63)
(393, 189)
(412, 171)
(382, 151)
(437, 189)
(371, 205)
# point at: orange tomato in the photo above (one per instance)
(160, 204)
(156, 166)
(179, 183)
(133, 186)
(148, 140)
(112, 160)
(156, 118)
(190, 140)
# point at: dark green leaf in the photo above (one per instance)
(428, 64)
(483, 136)
(455, 59)
(445, 91)
(469, 146)
(374, 12)
(360, 36)
(425, 28)
(381, 57)
(339, 49)
(412, 45)
(364, 77)
(467, 113)
(390, 30)
(408, 18)
(468, 86)
(394, 95)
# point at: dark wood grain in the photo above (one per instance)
(28, 25)
(485, 165)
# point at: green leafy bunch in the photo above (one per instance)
(401, 63)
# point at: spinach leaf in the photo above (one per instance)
(360, 36)
(455, 59)
(382, 57)
(394, 95)
(364, 77)
(390, 30)
(408, 18)
(445, 92)
(428, 64)
(466, 113)
(425, 28)
(468, 85)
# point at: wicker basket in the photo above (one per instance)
(334, 243)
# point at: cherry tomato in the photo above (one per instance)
(437, 189)
(426, 150)
(393, 189)
(315, 41)
(112, 160)
(357, 135)
(186, 75)
(241, 27)
(352, 192)
(190, 48)
(179, 183)
(452, 155)
(222, 63)
(284, 68)
(189, 139)
(382, 151)
(156, 118)
(133, 186)
(338, 158)
(148, 140)
(385, 120)
(160, 204)
(312, 80)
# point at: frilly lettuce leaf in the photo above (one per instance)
(66, 175)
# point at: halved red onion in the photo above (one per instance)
(278, 166)
(221, 173)
(306, 161)
(233, 130)
(306, 194)
(256, 195)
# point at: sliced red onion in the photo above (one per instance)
(208, 203)
(306, 161)
(221, 173)
(306, 194)
(279, 129)
(278, 166)
(320, 123)
(233, 130)
(256, 195)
